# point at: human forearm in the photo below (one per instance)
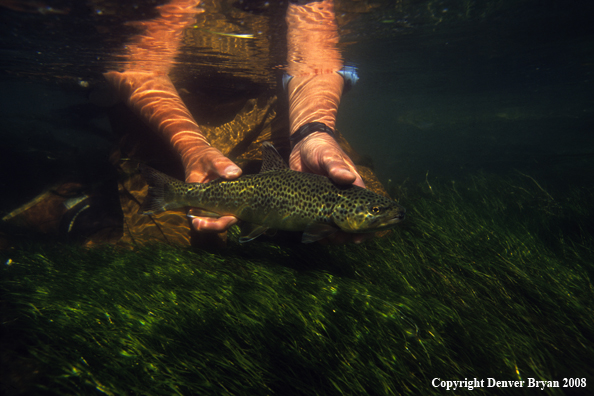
(313, 62)
(155, 100)
(314, 99)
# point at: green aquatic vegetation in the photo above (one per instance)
(487, 278)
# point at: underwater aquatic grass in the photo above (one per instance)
(489, 278)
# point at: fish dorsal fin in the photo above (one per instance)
(271, 159)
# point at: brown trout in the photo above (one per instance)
(277, 198)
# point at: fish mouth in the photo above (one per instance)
(394, 220)
(398, 217)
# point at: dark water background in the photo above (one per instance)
(500, 91)
(447, 88)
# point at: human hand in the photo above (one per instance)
(203, 165)
(319, 153)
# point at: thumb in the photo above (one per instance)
(230, 171)
(343, 172)
(209, 165)
(338, 166)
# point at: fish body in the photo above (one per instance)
(277, 198)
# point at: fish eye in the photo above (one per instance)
(376, 209)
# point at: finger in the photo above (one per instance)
(210, 224)
(209, 165)
(218, 165)
(225, 168)
(321, 154)
(232, 171)
(341, 171)
(335, 168)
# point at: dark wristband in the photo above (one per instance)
(308, 129)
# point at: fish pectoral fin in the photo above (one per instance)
(251, 231)
(270, 232)
(197, 212)
(315, 232)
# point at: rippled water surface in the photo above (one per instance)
(446, 87)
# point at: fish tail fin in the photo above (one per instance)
(160, 187)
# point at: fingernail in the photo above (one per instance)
(232, 171)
